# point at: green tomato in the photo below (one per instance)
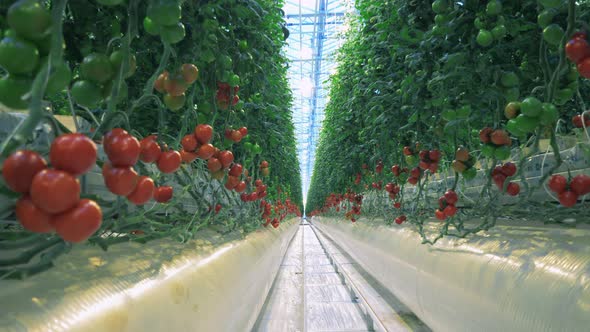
(207, 56)
(248, 146)
(12, 90)
(150, 27)
(257, 149)
(234, 80)
(441, 19)
(546, 17)
(550, 114)
(116, 59)
(488, 150)
(243, 45)
(484, 38)
(509, 79)
(499, 31)
(513, 127)
(164, 12)
(96, 67)
(86, 93)
(439, 6)
(470, 173)
(512, 94)
(463, 112)
(449, 115)
(226, 62)
(438, 30)
(173, 34)
(206, 107)
(494, 7)
(527, 124)
(478, 23)
(553, 34)
(202, 118)
(550, 3)
(531, 106)
(18, 56)
(59, 78)
(410, 160)
(30, 19)
(502, 153)
(110, 2)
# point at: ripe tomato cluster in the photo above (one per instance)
(393, 189)
(399, 220)
(568, 192)
(226, 93)
(496, 143)
(51, 196)
(415, 175)
(499, 175)
(578, 51)
(429, 160)
(23, 54)
(258, 193)
(464, 163)
(236, 135)
(446, 205)
(174, 85)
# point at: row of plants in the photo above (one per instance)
(183, 107)
(443, 107)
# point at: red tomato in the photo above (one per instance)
(508, 169)
(577, 49)
(484, 134)
(568, 198)
(424, 165)
(415, 172)
(236, 136)
(450, 210)
(55, 191)
(240, 187)
(577, 121)
(123, 150)
(397, 205)
(258, 183)
(513, 189)
(20, 168)
(440, 215)
(150, 150)
(169, 161)
(243, 131)
(79, 223)
(213, 164)
(119, 180)
(434, 155)
(557, 184)
(231, 182)
(451, 197)
(143, 192)
(584, 67)
(31, 217)
(580, 184)
(499, 180)
(73, 153)
(226, 158)
(413, 180)
(189, 143)
(217, 208)
(236, 170)
(188, 157)
(163, 194)
(106, 140)
(206, 151)
(264, 164)
(203, 133)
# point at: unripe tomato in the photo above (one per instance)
(553, 34)
(161, 81)
(174, 103)
(79, 223)
(143, 192)
(97, 68)
(190, 73)
(55, 191)
(86, 93)
(29, 19)
(175, 86)
(18, 56)
(163, 194)
(119, 180)
(73, 153)
(122, 150)
(172, 34)
(484, 38)
(169, 161)
(31, 217)
(20, 168)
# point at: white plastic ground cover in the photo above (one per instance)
(214, 283)
(523, 277)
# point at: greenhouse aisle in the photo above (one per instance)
(318, 289)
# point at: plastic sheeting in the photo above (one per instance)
(521, 277)
(214, 283)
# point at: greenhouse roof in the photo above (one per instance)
(315, 27)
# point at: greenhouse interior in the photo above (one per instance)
(294, 165)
